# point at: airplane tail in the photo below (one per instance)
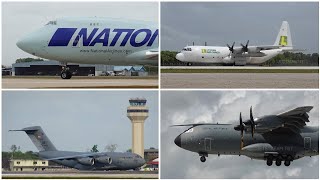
(39, 138)
(284, 37)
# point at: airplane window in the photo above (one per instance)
(52, 23)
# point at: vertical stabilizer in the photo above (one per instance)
(39, 138)
(284, 36)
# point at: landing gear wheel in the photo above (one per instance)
(203, 159)
(287, 163)
(278, 162)
(189, 64)
(269, 162)
(66, 75)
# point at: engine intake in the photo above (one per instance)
(86, 161)
(104, 159)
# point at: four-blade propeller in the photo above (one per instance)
(245, 47)
(231, 47)
(241, 127)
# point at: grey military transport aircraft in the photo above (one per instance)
(81, 160)
(282, 137)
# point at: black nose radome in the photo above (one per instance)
(177, 141)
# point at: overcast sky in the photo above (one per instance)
(219, 23)
(76, 120)
(21, 18)
(182, 107)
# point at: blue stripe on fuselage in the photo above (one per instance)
(62, 37)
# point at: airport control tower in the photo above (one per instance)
(138, 112)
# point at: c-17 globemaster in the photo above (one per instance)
(81, 160)
(282, 137)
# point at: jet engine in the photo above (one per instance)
(104, 159)
(86, 161)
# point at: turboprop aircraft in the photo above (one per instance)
(243, 55)
(81, 160)
(281, 137)
(94, 41)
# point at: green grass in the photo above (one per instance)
(239, 71)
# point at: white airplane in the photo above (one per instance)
(94, 41)
(242, 55)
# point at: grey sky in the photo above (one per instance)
(21, 18)
(219, 23)
(76, 120)
(183, 107)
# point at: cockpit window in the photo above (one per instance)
(186, 49)
(52, 23)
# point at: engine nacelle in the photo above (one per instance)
(86, 161)
(104, 159)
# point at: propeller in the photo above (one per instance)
(240, 127)
(252, 123)
(245, 47)
(231, 47)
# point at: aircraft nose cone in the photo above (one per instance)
(177, 141)
(180, 57)
(28, 44)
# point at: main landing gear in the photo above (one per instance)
(65, 72)
(278, 159)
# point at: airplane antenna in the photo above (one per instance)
(205, 43)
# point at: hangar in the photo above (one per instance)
(53, 68)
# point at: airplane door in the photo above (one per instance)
(207, 144)
(307, 142)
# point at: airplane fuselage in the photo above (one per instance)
(222, 55)
(117, 160)
(224, 140)
(95, 41)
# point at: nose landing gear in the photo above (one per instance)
(65, 72)
(203, 156)
(203, 159)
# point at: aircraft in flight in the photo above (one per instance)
(94, 41)
(238, 56)
(281, 137)
(81, 160)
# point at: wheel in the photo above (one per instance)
(269, 162)
(66, 75)
(189, 64)
(287, 163)
(278, 162)
(203, 159)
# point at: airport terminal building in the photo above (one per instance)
(53, 68)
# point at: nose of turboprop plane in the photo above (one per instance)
(177, 141)
(180, 57)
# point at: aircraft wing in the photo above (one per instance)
(91, 155)
(292, 120)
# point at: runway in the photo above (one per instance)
(77, 82)
(240, 80)
(81, 175)
(239, 67)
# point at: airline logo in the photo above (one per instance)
(209, 51)
(62, 37)
(283, 41)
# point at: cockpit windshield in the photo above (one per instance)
(186, 49)
(52, 23)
